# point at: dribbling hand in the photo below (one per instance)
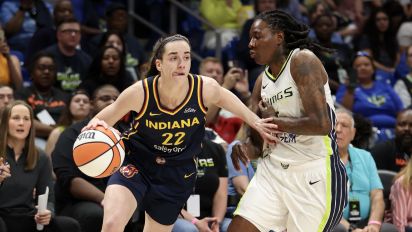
(95, 122)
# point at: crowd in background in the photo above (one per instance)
(62, 61)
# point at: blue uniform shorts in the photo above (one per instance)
(160, 189)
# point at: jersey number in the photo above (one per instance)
(173, 139)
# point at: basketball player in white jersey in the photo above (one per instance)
(300, 183)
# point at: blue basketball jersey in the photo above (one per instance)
(174, 134)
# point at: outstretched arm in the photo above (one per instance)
(114, 112)
(214, 94)
(310, 78)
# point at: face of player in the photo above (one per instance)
(403, 129)
(111, 62)
(263, 42)
(80, 106)
(44, 73)
(19, 123)
(105, 97)
(213, 70)
(114, 41)
(176, 60)
(6, 96)
(345, 132)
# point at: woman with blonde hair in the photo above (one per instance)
(401, 199)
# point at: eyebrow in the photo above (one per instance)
(175, 53)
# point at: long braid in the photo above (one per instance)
(296, 34)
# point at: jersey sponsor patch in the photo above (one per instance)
(128, 171)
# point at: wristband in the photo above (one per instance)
(375, 223)
(194, 221)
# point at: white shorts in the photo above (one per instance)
(304, 198)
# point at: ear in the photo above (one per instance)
(158, 65)
(280, 37)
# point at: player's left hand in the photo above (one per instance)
(266, 111)
(267, 130)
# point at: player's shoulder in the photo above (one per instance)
(304, 55)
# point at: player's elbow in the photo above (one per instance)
(324, 128)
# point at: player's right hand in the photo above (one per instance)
(95, 122)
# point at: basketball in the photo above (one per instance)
(98, 153)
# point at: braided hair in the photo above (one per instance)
(296, 34)
(159, 50)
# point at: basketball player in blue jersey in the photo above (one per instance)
(300, 183)
(159, 173)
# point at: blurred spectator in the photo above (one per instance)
(401, 199)
(46, 36)
(25, 173)
(243, 45)
(10, 71)
(211, 186)
(394, 154)
(379, 40)
(224, 16)
(116, 20)
(366, 205)
(294, 8)
(77, 195)
(6, 96)
(47, 101)
(115, 39)
(365, 134)
(222, 121)
(337, 62)
(77, 110)
(372, 99)
(71, 64)
(238, 180)
(108, 67)
(21, 18)
(403, 86)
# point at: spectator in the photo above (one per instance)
(211, 186)
(372, 99)
(337, 63)
(26, 170)
(108, 67)
(71, 64)
(393, 154)
(78, 195)
(401, 199)
(224, 16)
(403, 86)
(46, 100)
(294, 8)
(379, 40)
(46, 36)
(21, 18)
(77, 110)
(238, 180)
(366, 205)
(116, 21)
(236, 80)
(10, 71)
(6, 96)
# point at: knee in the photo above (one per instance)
(111, 224)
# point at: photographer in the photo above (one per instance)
(236, 80)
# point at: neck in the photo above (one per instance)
(344, 154)
(44, 92)
(17, 146)
(67, 51)
(277, 62)
(366, 84)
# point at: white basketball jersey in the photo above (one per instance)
(282, 94)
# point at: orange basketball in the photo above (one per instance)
(98, 153)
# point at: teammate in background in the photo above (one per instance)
(165, 137)
(303, 167)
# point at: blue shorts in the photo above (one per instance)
(160, 189)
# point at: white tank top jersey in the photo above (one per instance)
(282, 94)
